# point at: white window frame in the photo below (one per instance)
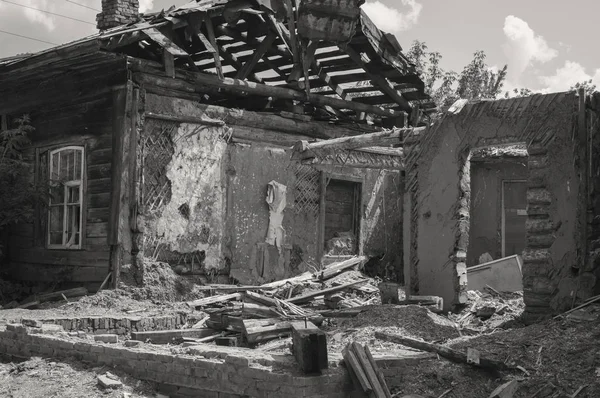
(66, 186)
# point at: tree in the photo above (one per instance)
(518, 92)
(476, 81)
(19, 195)
(587, 85)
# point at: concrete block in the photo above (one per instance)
(34, 323)
(16, 328)
(52, 329)
(107, 338)
(107, 382)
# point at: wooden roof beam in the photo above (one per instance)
(257, 56)
(377, 79)
(203, 83)
(303, 149)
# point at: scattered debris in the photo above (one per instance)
(106, 381)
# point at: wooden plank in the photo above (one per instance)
(335, 268)
(308, 297)
(310, 346)
(76, 292)
(258, 54)
(165, 42)
(260, 330)
(214, 300)
(169, 61)
(377, 79)
(60, 257)
(365, 364)
(213, 41)
(169, 336)
(378, 372)
(443, 351)
(357, 373)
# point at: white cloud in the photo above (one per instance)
(567, 76)
(392, 20)
(146, 5)
(38, 17)
(524, 46)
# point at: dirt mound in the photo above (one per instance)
(410, 320)
(159, 282)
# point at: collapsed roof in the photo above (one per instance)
(265, 42)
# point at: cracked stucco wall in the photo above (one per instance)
(546, 124)
(192, 220)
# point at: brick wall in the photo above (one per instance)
(117, 12)
(115, 325)
(207, 371)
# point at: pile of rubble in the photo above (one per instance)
(489, 310)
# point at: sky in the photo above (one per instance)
(547, 46)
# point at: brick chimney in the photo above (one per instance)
(117, 12)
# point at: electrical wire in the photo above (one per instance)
(82, 5)
(27, 37)
(48, 12)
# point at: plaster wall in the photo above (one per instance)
(545, 123)
(222, 184)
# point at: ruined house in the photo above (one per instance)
(503, 177)
(167, 136)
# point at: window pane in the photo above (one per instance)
(73, 225)
(57, 193)
(66, 164)
(56, 238)
(73, 194)
(78, 159)
(56, 225)
(55, 172)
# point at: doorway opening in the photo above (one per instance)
(341, 221)
(498, 204)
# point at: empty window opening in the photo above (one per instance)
(342, 217)
(497, 209)
(64, 207)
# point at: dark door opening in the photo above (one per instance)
(514, 213)
(342, 217)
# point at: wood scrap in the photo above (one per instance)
(104, 282)
(309, 347)
(364, 371)
(220, 321)
(357, 373)
(305, 277)
(214, 300)
(336, 268)
(29, 305)
(378, 372)
(259, 330)
(201, 322)
(442, 351)
(76, 292)
(308, 297)
(506, 390)
(590, 301)
(231, 288)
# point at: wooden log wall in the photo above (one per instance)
(79, 114)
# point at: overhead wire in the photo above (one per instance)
(27, 37)
(48, 12)
(82, 5)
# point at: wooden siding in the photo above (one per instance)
(75, 117)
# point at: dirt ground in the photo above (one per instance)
(38, 377)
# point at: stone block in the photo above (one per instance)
(132, 343)
(16, 328)
(108, 382)
(106, 338)
(34, 323)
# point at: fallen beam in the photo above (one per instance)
(308, 297)
(214, 300)
(303, 149)
(442, 351)
(76, 292)
(259, 330)
(336, 268)
(309, 347)
(167, 336)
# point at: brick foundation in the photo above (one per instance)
(206, 371)
(114, 325)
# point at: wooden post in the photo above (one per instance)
(406, 244)
(310, 347)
